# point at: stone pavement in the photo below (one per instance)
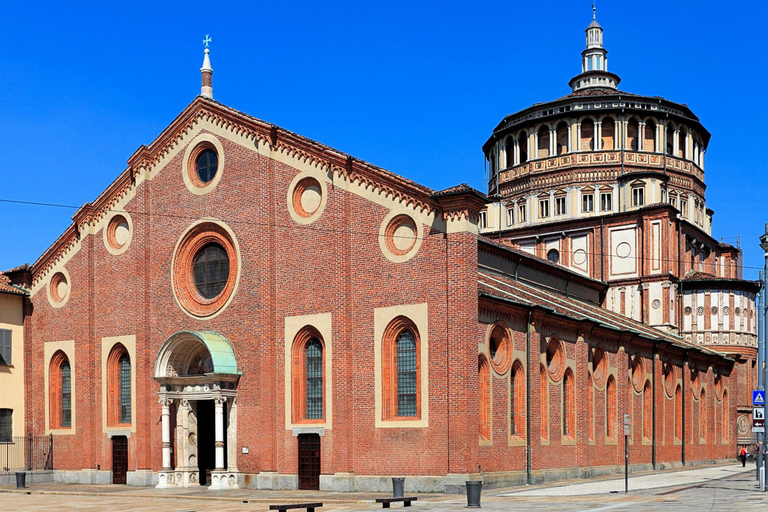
(724, 487)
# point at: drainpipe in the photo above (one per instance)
(528, 400)
(653, 408)
(602, 246)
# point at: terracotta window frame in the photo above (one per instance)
(484, 397)
(517, 394)
(57, 388)
(569, 405)
(726, 417)
(678, 413)
(390, 370)
(115, 388)
(703, 416)
(610, 409)
(590, 408)
(299, 376)
(544, 401)
(647, 411)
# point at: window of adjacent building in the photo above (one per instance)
(684, 207)
(6, 425)
(638, 198)
(606, 199)
(308, 383)
(5, 347)
(587, 203)
(119, 386)
(543, 208)
(510, 216)
(521, 212)
(559, 206)
(673, 200)
(483, 220)
(60, 398)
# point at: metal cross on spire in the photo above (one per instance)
(594, 15)
(208, 39)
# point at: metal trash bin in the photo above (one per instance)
(398, 487)
(21, 480)
(474, 490)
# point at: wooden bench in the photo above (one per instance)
(309, 506)
(406, 501)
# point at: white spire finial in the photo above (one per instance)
(207, 71)
(594, 14)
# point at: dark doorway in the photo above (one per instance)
(309, 461)
(206, 440)
(119, 459)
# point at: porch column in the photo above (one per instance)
(166, 420)
(219, 417)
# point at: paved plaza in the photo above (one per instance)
(718, 488)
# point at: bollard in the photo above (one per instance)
(398, 485)
(762, 479)
(21, 478)
(474, 490)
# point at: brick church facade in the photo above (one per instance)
(245, 307)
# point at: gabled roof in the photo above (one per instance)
(7, 287)
(497, 286)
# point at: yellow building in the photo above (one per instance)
(12, 299)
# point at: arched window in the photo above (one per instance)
(509, 145)
(649, 137)
(587, 135)
(681, 142)
(119, 386)
(308, 393)
(726, 427)
(484, 397)
(517, 400)
(703, 414)
(522, 145)
(632, 134)
(60, 392)
(670, 136)
(401, 375)
(608, 132)
(610, 408)
(590, 408)
(543, 145)
(544, 397)
(569, 405)
(563, 144)
(647, 411)
(678, 413)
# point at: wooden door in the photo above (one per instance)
(119, 459)
(309, 461)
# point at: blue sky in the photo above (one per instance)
(413, 87)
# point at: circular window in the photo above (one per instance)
(400, 237)
(211, 270)
(500, 348)
(737, 311)
(695, 383)
(700, 310)
(726, 310)
(553, 255)
(714, 310)
(205, 269)
(206, 165)
(687, 310)
(555, 357)
(307, 197)
(638, 374)
(203, 164)
(599, 367)
(670, 381)
(59, 288)
(118, 233)
(656, 304)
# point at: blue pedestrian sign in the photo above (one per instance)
(758, 397)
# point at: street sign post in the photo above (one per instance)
(627, 432)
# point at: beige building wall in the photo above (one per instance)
(12, 376)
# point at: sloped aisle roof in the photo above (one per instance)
(494, 285)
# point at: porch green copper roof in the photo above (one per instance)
(222, 355)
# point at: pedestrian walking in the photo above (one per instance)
(743, 453)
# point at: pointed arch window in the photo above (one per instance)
(544, 397)
(569, 405)
(517, 400)
(484, 397)
(647, 411)
(610, 408)
(119, 386)
(678, 414)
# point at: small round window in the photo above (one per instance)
(206, 165)
(211, 270)
(553, 255)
